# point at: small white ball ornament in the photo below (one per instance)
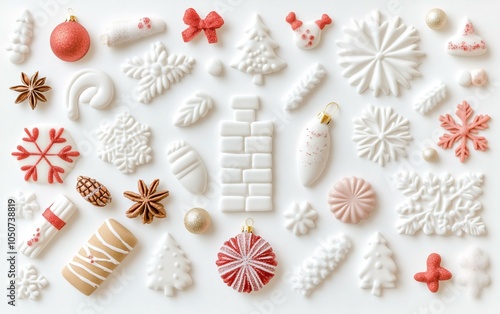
(435, 19)
(430, 154)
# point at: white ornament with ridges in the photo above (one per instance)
(194, 108)
(29, 283)
(440, 205)
(379, 53)
(300, 218)
(257, 55)
(302, 88)
(316, 268)
(379, 270)
(168, 269)
(124, 143)
(156, 71)
(20, 38)
(473, 272)
(90, 87)
(430, 99)
(381, 134)
(26, 204)
(122, 32)
(187, 167)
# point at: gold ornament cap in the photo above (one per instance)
(71, 17)
(324, 116)
(248, 227)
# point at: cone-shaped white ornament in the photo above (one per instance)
(466, 43)
(314, 147)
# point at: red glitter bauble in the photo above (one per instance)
(70, 41)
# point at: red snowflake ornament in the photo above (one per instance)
(464, 132)
(246, 262)
(434, 273)
(46, 150)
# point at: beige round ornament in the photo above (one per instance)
(197, 220)
(435, 19)
(429, 154)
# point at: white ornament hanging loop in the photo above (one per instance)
(314, 146)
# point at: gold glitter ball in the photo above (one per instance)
(197, 220)
(430, 154)
(435, 18)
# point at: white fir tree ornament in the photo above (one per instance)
(20, 38)
(379, 269)
(257, 55)
(169, 268)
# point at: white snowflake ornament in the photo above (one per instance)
(124, 143)
(381, 134)
(29, 283)
(439, 205)
(300, 218)
(26, 204)
(379, 53)
(156, 71)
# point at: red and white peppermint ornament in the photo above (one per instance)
(70, 41)
(246, 262)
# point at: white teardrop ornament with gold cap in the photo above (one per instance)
(314, 146)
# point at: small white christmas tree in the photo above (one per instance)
(168, 268)
(20, 38)
(258, 57)
(379, 269)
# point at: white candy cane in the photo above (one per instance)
(53, 219)
(90, 86)
(121, 32)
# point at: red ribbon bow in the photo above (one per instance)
(211, 22)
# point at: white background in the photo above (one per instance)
(126, 291)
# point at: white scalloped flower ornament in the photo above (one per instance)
(381, 134)
(379, 53)
(300, 218)
(352, 199)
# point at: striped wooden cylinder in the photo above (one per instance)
(97, 258)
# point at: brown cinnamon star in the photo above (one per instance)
(32, 89)
(147, 202)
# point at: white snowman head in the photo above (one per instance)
(307, 35)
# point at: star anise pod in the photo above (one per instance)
(32, 89)
(147, 202)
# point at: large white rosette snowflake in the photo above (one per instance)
(156, 71)
(440, 204)
(124, 143)
(379, 53)
(381, 134)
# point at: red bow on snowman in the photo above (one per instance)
(196, 24)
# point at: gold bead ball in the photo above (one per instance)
(435, 19)
(430, 154)
(197, 220)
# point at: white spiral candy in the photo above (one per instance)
(90, 86)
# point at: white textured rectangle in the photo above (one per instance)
(232, 144)
(262, 161)
(234, 128)
(258, 176)
(259, 203)
(258, 144)
(230, 176)
(245, 115)
(260, 189)
(232, 203)
(262, 128)
(245, 102)
(235, 189)
(241, 161)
